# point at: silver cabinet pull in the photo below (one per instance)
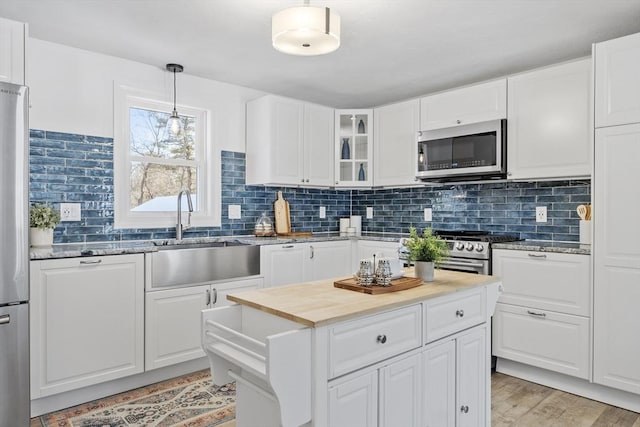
(4, 320)
(312, 252)
(464, 409)
(87, 262)
(533, 313)
(541, 256)
(208, 297)
(381, 339)
(460, 313)
(287, 246)
(215, 296)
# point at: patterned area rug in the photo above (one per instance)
(187, 401)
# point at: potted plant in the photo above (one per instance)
(425, 251)
(42, 220)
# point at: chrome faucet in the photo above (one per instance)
(179, 227)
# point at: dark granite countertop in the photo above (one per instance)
(74, 250)
(545, 246)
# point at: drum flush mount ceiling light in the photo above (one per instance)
(305, 30)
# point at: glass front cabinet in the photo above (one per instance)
(354, 148)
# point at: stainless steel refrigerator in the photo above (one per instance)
(14, 256)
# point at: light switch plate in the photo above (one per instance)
(323, 212)
(428, 214)
(369, 212)
(541, 214)
(235, 212)
(70, 212)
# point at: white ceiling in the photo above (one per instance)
(391, 49)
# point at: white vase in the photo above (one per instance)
(424, 270)
(40, 238)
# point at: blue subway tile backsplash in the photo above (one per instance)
(79, 169)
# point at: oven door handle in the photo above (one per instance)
(462, 264)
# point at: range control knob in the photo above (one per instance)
(469, 246)
(459, 246)
(479, 247)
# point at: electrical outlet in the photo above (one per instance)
(323, 212)
(70, 212)
(428, 214)
(235, 212)
(369, 212)
(541, 214)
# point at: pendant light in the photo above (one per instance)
(305, 30)
(174, 124)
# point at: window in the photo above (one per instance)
(150, 169)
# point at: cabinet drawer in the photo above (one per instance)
(446, 316)
(361, 342)
(543, 280)
(554, 341)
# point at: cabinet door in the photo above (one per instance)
(87, 321)
(274, 141)
(548, 122)
(617, 86)
(283, 264)
(399, 398)
(12, 37)
(472, 371)
(548, 340)
(353, 148)
(616, 257)
(318, 145)
(328, 260)
(547, 281)
(472, 104)
(172, 325)
(395, 128)
(438, 388)
(354, 403)
(219, 291)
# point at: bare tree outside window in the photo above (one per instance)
(160, 166)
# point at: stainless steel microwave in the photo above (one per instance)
(467, 152)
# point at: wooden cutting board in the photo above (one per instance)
(281, 215)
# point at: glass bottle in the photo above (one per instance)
(361, 172)
(346, 151)
(361, 127)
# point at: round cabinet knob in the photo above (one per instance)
(464, 409)
(302, 180)
(382, 339)
(458, 121)
(459, 246)
(469, 246)
(479, 247)
(307, 180)
(460, 313)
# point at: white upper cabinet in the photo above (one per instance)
(548, 122)
(354, 148)
(471, 104)
(617, 86)
(12, 55)
(394, 158)
(289, 142)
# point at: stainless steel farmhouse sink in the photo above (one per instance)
(185, 264)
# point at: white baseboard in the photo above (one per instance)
(570, 384)
(60, 401)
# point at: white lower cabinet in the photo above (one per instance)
(354, 403)
(543, 316)
(86, 321)
(454, 380)
(304, 262)
(172, 320)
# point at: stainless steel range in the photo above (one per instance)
(469, 251)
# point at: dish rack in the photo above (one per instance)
(268, 357)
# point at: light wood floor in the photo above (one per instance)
(515, 402)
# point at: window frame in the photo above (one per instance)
(207, 161)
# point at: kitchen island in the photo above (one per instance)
(312, 354)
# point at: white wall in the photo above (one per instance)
(71, 90)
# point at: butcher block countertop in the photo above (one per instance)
(320, 303)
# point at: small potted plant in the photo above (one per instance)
(42, 220)
(425, 251)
